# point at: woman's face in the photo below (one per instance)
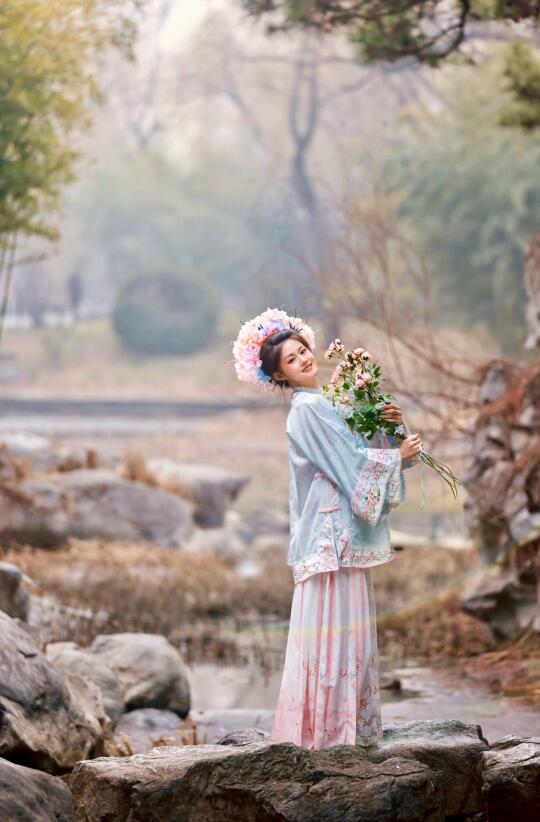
(298, 364)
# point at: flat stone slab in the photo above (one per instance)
(258, 782)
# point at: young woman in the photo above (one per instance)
(341, 488)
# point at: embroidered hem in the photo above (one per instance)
(327, 560)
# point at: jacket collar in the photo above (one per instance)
(317, 390)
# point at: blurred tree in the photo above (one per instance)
(166, 312)
(430, 32)
(469, 195)
(522, 71)
(48, 58)
(390, 29)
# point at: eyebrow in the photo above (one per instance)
(292, 352)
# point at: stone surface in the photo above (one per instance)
(50, 720)
(449, 747)
(150, 670)
(502, 507)
(511, 780)
(69, 657)
(211, 489)
(14, 600)
(94, 504)
(27, 795)
(257, 782)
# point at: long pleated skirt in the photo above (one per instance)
(330, 686)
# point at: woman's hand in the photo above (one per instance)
(411, 447)
(392, 413)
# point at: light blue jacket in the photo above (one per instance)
(341, 488)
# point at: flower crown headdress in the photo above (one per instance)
(252, 335)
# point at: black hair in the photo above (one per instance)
(270, 354)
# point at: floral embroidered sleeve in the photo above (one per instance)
(370, 477)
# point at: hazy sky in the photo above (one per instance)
(186, 17)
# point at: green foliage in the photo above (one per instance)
(522, 70)
(469, 195)
(166, 313)
(48, 57)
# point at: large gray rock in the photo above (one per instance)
(14, 600)
(94, 504)
(36, 453)
(150, 670)
(258, 782)
(499, 598)
(210, 488)
(449, 747)
(142, 729)
(50, 720)
(27, 795)
(512, 779)
(69, 657)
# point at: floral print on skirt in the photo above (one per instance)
(330, 687)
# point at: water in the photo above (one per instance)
(427, 692)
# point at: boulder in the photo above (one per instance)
(500, 599)
(209, 488)
(50, 719)
(14, 600)
(257, 782)
(94, 504)
(449, 747)
(142, 729)
(511, 779)
(150, 670)
(36, 454)
(69, 657)
(27, 795)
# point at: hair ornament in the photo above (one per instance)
(252, 335)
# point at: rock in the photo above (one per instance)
(270, 522)
(38, 454)
(150, 670)
(214, 724)
(14, 600)
(94, 504)
(209, 488)
(219, 541)
(140, 730)
(245, 736)
(69, 657)
(50, 720)
(500, 600)
(27, 795)
(258, 782)
(511, 779)
(450, 748)
(33, 450)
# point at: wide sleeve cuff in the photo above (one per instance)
(379, 481)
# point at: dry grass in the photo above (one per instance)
(144, 588)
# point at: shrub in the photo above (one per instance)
(165, 313)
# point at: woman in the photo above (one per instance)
(341, 489)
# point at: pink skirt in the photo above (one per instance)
(330, 687)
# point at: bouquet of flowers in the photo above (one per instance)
(354, 392)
